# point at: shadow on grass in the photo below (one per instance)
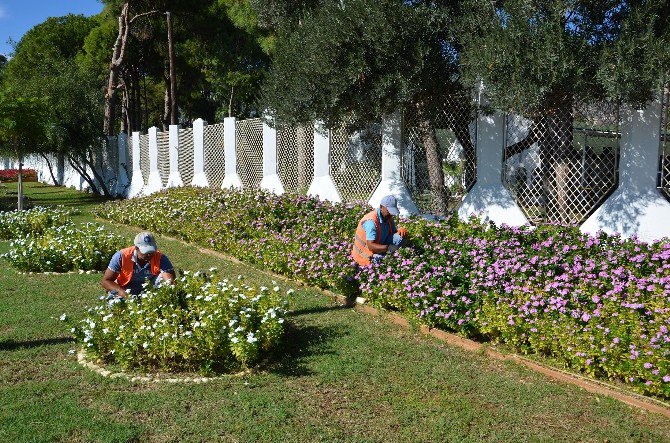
(11, 345)
(300, 343)
(320, 310)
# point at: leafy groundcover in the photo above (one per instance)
(600, 305)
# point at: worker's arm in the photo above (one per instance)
(109, 283)
(376, 248)
(168, 276)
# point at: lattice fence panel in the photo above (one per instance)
(144, 157)
(455, 130)
(186, 155)
(249, 152)
(163, 142)
(664, 161)
(295, 157)
(356, 162)
(562, 165)
(215, 159)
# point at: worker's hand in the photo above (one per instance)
(391, 249)
(402, 232)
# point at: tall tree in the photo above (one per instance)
(357, 61)
(538, 58)
(21, 129)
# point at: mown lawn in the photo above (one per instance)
(342, 376)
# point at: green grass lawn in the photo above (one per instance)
(342, 376)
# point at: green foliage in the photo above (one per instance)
(21, 118)
(202, 323)
(534, 56)
(32, 222)
(596, 304)
(64, 248)
(360, 60)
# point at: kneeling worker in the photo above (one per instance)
(129, 268)
(376, 234)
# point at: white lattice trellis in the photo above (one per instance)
(295, 157)
(186, 155)
(215, 159)
(664, 160)
(249, 151)
(356, 162)
(455, 130)
(144, 157)
(561, 165)
(162, 139)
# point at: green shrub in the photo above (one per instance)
(202, 323)
(17, 224)
(64, 248)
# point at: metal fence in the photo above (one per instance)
(163, 143)
(454, 129)
(249, 150)
(561, 165)
(215, 161)
(356, 161)
(144, 157)
(185, 155)
(664, 160)
(295, 157)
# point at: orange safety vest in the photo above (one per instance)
(360, 251)
(127, 265)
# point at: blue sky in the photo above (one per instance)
(18, 16)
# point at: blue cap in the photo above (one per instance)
(391, 204)
(145, 242)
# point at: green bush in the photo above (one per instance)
(201, 323)
(64, 248)
(17, 224)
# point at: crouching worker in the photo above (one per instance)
(129, 268)
(376, 234)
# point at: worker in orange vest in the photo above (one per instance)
(377, 235)
(131, 267)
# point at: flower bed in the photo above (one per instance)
(12, 175)
(202, 324)
(64, 248)
(600, 305)
(17, 224)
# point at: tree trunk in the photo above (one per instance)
(114, 68)
(439, 192)
(173, 75)
(165, 120)
(557, 157)
(51, 169)
(19, 203)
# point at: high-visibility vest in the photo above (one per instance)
(360, 251)
(127, 265)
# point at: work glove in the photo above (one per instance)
(391, 249)
(402, 232)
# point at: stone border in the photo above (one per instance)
(594, 386)
(149, 378)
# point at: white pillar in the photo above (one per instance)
(122, 181)
(199, 177)
(271, 181)
(231, 179)
(322, 185)
(174, 180)
(392, 183)
(488, 198)
(137, 181)
(154, 184)
(636, 207)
